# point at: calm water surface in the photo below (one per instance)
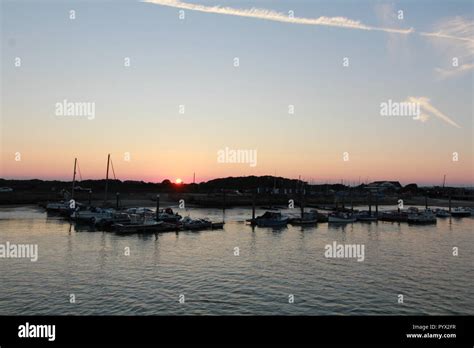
(415, 261)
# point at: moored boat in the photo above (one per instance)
(307, 219)
(92, 215)
(271, 219)
(442, 213)
(393, 216)
(460, 212)
(195, 224)
(167, 215)
(425, 217)
(340, 217)
(145, 226)
(366, 216)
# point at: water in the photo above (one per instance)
(415, 261)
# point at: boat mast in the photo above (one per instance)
(107, 178)
(74, 178)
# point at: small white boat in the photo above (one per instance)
(167, 215)
(57, 206)
(441, 213)
(146, 225)
(460, 212)
(92, 215)
(307, 219)
(195, 224)
(425, 217)
(271, 219)
(342, 218)
(365, 216)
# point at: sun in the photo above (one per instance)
(178, 181)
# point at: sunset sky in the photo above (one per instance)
(190, 62)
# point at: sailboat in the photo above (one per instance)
(65, 207)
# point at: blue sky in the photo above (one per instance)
(190, 62)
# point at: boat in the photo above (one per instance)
(195, 224)
(140, 211)
(115, 218)
(307, 219)
(341, 218)
(56, 207)
(217, 225)
(366, 216)
(63, 208)
(167, 215)
(145, 226)
(425, 217)
(442, 213)
(92, 215)
(393, 216)
(460, 212)
(269, 219)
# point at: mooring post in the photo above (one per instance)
(223, 203)
(157, 207)
(377, 203)
(253, 205)
(370, 202)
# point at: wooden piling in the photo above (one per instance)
(370, 202)
(377, 204)
(253, 206)
(223, 203)
(157, 207)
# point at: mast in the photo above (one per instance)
(107, 178)
(74, 178)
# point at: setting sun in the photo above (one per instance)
(179, 181)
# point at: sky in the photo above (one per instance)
(335, 133)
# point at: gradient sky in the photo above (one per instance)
(190, 62)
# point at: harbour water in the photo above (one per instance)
(415, 261)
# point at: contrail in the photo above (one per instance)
(447, 36)
(430, 109)
(341, 22)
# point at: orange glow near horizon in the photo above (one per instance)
(178, 181)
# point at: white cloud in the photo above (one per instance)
(455, 71)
